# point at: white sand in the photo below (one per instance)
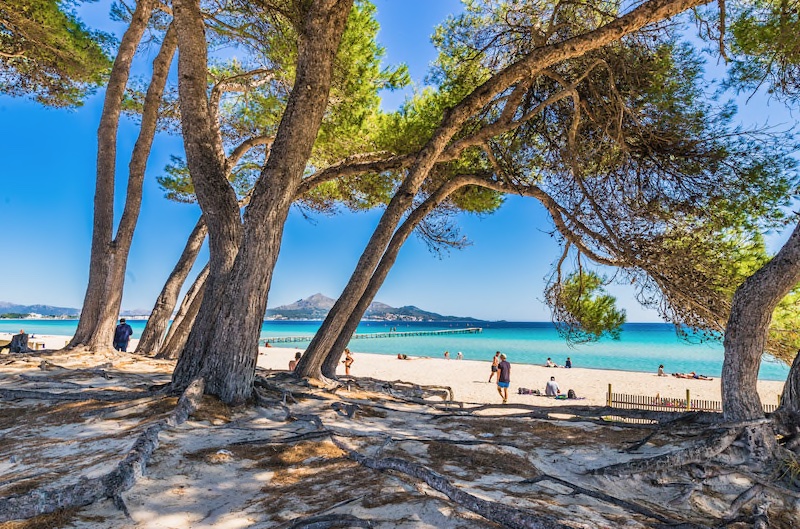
(469, 379)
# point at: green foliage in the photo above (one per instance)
(648, 171)
(585, 311)
(13, 316)
(48, 54)
(255, 88)
(765, 47)
(784, 330)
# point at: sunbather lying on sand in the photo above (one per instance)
(691, 375)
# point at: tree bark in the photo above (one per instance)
(453, 120)
(787, 417)
(154, 332)
(109, 256)
(746, 332)
(343, 334)
(184, 320)
(223, 344)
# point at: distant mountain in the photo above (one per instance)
(40, 310)
(316, 307)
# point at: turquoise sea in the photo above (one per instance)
(642, 346)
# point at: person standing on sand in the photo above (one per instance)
(495, 361)
(503, 377)
(122, 335)
(348, 361)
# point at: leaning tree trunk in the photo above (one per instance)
(746, 332)
(154, 332)
(109, 256)
(223, 344)
(452, 122)
(184, 320)
(388, 259)
(787, 417)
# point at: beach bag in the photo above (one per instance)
(571, 394)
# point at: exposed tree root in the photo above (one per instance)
(328, 521)
(706, 449)
(493, 511)
(406, 390)
(111, 485)
(743, 499)
(623, 504)
(102, 395)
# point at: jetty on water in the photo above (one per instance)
(389, 334)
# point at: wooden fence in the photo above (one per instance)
(659, 403)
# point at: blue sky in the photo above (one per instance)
(47, 187)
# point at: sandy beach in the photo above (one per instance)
(469, 379)
(271, 465)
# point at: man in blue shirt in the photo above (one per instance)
(122, 335)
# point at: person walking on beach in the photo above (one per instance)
(122, 335)
(552, 389)
(348, 361)
(503, 377)
(495, 361)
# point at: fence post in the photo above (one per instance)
(688, 401)
(608, 399)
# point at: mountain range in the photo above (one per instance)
(314, 307)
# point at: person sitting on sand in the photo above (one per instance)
(568, 363)
(550, 363)
(552, 389)
(293, 363)
(661, 371)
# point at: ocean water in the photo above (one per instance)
(642, 346)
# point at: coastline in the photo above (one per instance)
(469, 378)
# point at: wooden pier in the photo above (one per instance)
(364, 336)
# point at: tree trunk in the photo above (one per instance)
(746, 332)
(342, 335)
(452, 122)
(184, 320)
(109, 256)
(207, 165)
(787, 418)
(223, 343)
(153, 335)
